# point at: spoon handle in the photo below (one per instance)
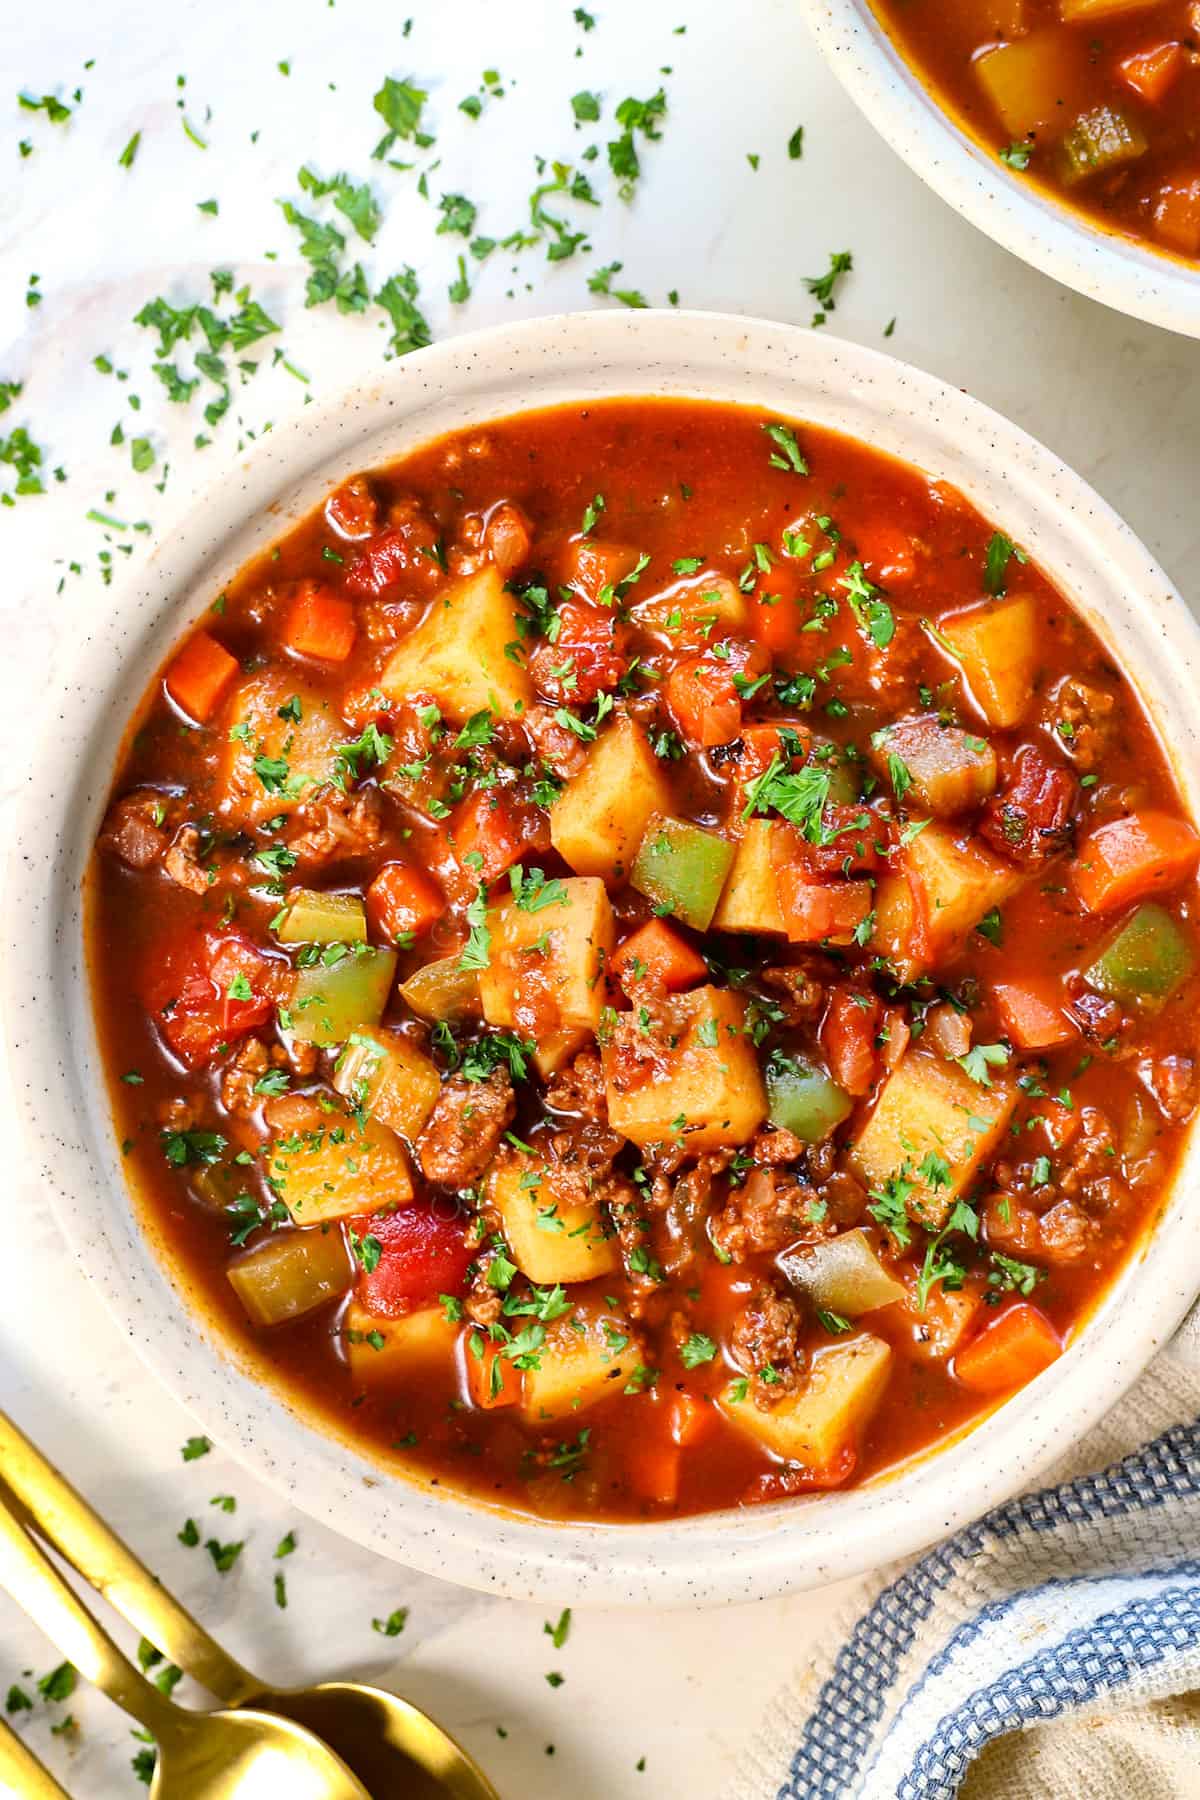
(67, 1521)
(40, 1591)
(22, 1774)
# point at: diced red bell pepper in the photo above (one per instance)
(703, 702)
(423, 1253)
(200, 675)
(211, 991)
(320, 623)
(854, 847)
(403, 900)
(657, 956)
(848, 1033)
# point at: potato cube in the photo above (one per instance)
(555, 1231)
(346, 1167)
(934, 1126)
(457, 653)
(390, 1078)
(749, 900)
(1036, 82)
(597, 821)
(694, 1075)
(995, 645)
(940, 768)
(380, 1349)
(936, 891)
(579, 1363)
(813, 1427)
(271, 765)
(550, 962)
(555, 1049)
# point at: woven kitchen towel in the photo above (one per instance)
(1040, 1654)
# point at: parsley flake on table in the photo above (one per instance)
(393, 1625)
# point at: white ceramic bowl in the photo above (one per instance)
(790, 373)
(1008, 206)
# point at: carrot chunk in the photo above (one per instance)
(848, 1038)
(1010, 1350)
(199, 676)
(657, 955)
(320, 624)
(492, 1380)
(1151, 72)
(1127, 859)
(401, 899)
(654, 1468)
(703, 702)
(1031, 1013)
(1177, 214)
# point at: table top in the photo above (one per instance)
(729, 220)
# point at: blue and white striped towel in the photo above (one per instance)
(985, 1669)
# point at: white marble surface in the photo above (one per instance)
(1121, 401)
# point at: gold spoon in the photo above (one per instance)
(21, 1772)
(390, 1745)
(241, 1755)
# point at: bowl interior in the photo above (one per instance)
(1023, 217)
(784, 372)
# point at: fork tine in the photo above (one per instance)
(21, 1774)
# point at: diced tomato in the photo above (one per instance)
(352, 509)
(491, 831)
(815, 914)
(210, 991)
(319, 623)
(402, 899)
(1032, 816)
(703, 702)
(1150, 72)
(406, 550)
(423, 1253)
(1012, 1348)
(587, 656)
(1177, 212)
(657, 956)
(799, 1478)
(848, 1033)
(1031, 1012)
(887, 553)
(594, 567)
(198, 678)
(1060, 1125)
(855, 836)
(1127, 859)
(492, 1380)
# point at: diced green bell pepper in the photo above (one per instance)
(682, 869)
(291, 1273)
(334, 998)
(442, 990)
(1101, 139)
(803, 1099)
(315, 918)
(1146, 961)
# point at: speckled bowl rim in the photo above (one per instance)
(786, 372)
(1016, 213)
